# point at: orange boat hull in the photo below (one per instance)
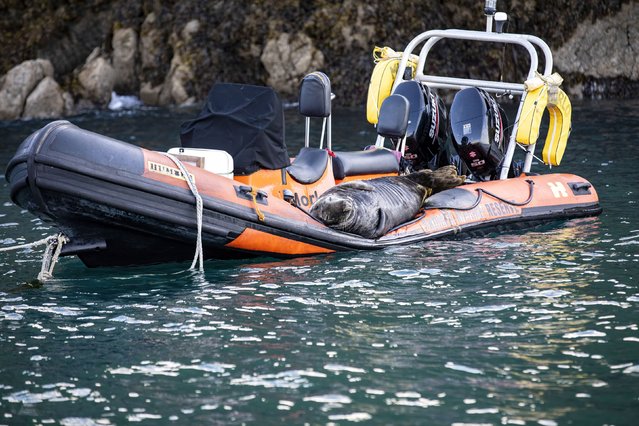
(122, 205)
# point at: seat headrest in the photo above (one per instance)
(315, 95)
(393, 117)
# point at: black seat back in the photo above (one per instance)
(315, 101)
(393, 117)
(315, 95)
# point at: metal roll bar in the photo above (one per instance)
(528, 42)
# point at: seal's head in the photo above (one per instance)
(333, 210)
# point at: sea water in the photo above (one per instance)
(536, 327)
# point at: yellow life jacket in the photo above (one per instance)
(544, 93)
(383, 77)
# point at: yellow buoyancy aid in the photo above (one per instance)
(544, 93)
(383, 77)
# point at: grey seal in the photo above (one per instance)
(371, 208)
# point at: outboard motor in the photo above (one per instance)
(478, 127)
(427, 130)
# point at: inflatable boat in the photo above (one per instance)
(232, 189)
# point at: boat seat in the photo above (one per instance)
(393, 117)
(315, 95)
(372, 161)
(315, 102)
(309, 165)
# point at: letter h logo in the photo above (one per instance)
(558, 189)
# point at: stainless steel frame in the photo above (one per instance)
(528, 42)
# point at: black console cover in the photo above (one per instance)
(245, 121)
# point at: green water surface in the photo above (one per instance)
(534, 327)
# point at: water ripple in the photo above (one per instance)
(170, 368)
(533, 327)
(465, 369)
(291, 379)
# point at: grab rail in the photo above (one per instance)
(433, 36)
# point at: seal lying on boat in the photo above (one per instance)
(373, 207)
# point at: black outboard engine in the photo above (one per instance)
(427, 130)
(478, 126)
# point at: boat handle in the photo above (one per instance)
(246, 191)
(531, 187)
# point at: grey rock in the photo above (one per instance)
(69, 105)
(359, 33)
(18, 83)
(288, 58)
(174, 89)
(45, 101)
(149, 94)
(125, 50)
(97, 78)
(190, 29)
(606, 49)
(150, 38)
(74, 39)
(154, 52)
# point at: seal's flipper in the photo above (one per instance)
(446, 170)
(422, 177)
(446, 178)
(382, 224)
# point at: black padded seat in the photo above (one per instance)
(419, 113)
(309, 165)
(315, 95)
(372, 161)
(393, 117)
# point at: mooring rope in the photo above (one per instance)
(28, 245)
(51, 253)
(199, 252)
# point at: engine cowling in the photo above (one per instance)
(427, 130)
(478, 127)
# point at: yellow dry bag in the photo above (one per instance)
(383, 77)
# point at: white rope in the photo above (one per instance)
(51, 253)
(534, 156)
(28, 245)
(199, 253)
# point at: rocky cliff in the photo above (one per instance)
(61, 57)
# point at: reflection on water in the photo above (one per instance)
(526, 328)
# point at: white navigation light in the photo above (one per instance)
(500, 21)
